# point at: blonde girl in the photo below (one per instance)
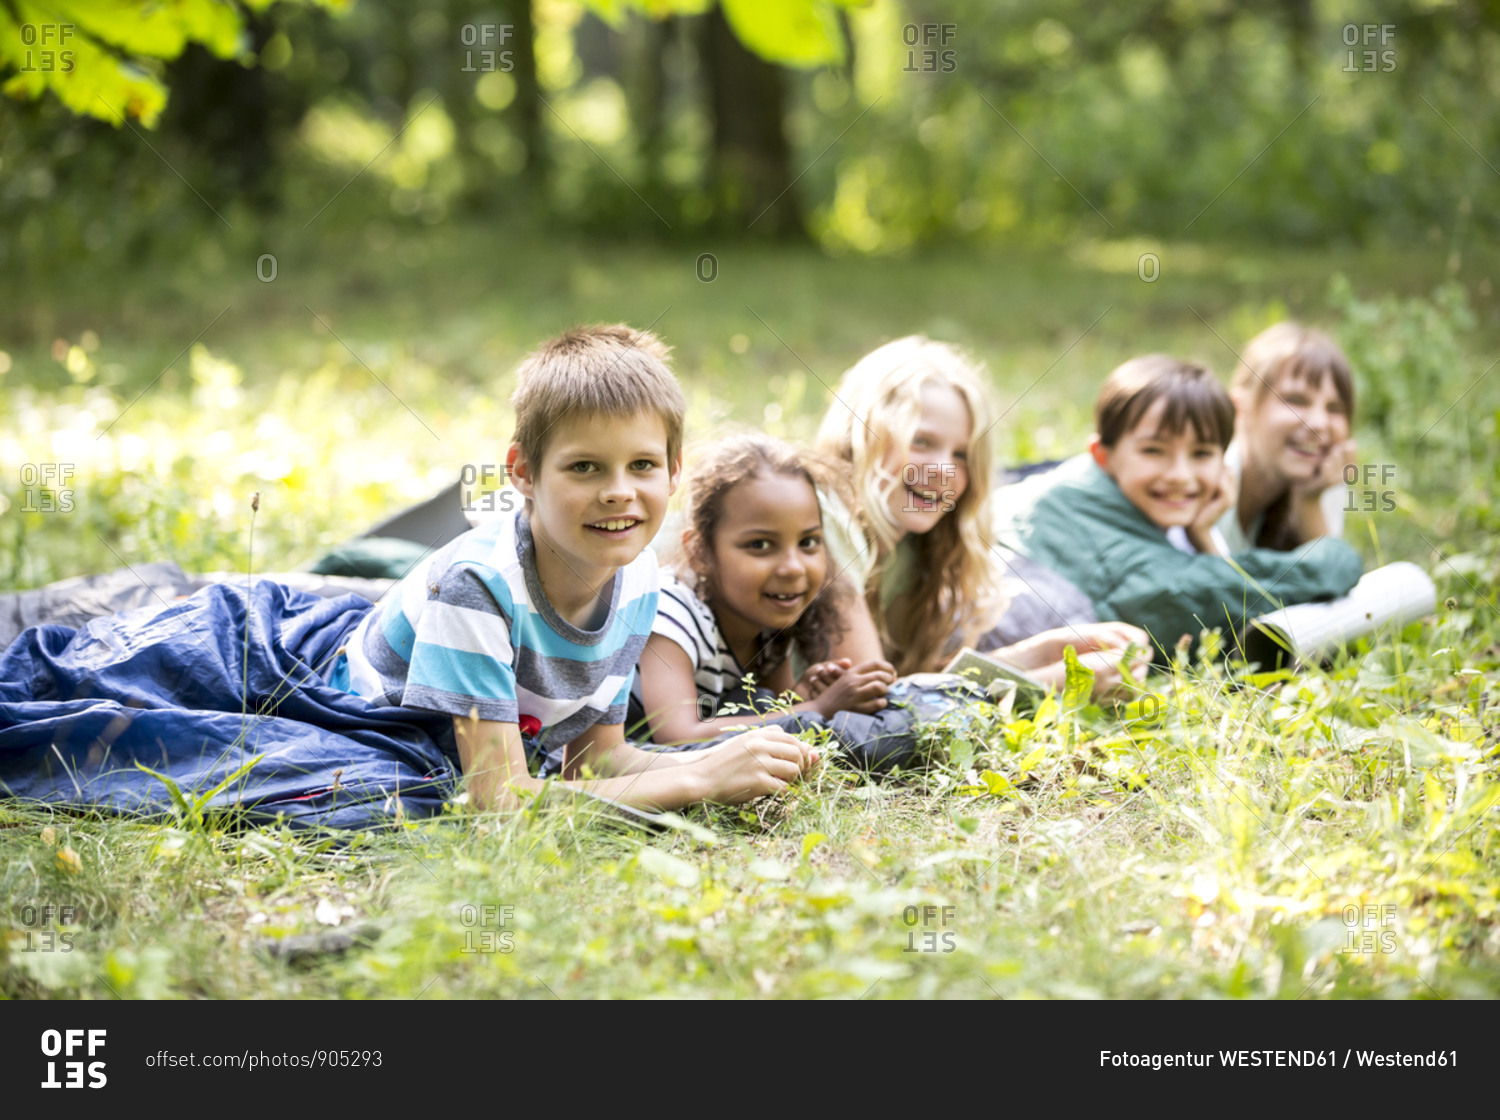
(912, 421)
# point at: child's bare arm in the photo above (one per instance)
(493, 758)
(860, 641)
(745, 767)
(670, 696)
(758, 762)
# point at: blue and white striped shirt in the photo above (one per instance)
(469, 630)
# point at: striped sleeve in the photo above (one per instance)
(462, 660)
(677, 621)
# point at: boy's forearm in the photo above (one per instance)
(626, 761)
(667, 785)
(493, 761)
(698, 730)
(1029, 653)
(491, 790)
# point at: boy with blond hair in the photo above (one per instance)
(527, 630)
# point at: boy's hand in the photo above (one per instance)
(753, 765)
(1222, 499)
(1110, 670)
(1109, 635)
(1047, 647)
(858, 689)
(818, 677)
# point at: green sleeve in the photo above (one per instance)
(1077, 522)
(1169, 596)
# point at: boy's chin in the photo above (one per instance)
(1172, 521)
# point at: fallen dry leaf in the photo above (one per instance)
(67, 860)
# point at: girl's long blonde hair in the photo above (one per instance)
(957, 585)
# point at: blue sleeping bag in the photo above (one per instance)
(163, 687)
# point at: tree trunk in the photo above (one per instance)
(646, 93)
(527, 108)
(225, 112)
(750, 175)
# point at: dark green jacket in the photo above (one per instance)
(1075, 520)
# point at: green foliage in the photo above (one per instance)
(798, 33)
(802, 33)
(1056, 121)
(1411, 358)
(102, 58)
(1428, 421)
(1218, 853)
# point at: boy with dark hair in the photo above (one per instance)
(1156, 464)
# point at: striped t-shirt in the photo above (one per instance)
(687, 620)
(470, 630)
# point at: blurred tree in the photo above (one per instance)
(527, 106)
(743, 46)
(1200, 119)
(750, 171)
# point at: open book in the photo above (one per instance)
(995, 676)
(1388, 597)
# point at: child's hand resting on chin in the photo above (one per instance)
(1220, 501)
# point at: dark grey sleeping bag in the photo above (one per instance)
(885, 739)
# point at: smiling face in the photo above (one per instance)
(768, 558)
(933, 472)
(599, 494)
(1288, 432)
(1167, 477)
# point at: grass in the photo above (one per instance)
(1236, 839)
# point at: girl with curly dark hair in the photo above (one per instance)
(750, 583)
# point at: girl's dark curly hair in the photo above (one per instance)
(717, 469)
